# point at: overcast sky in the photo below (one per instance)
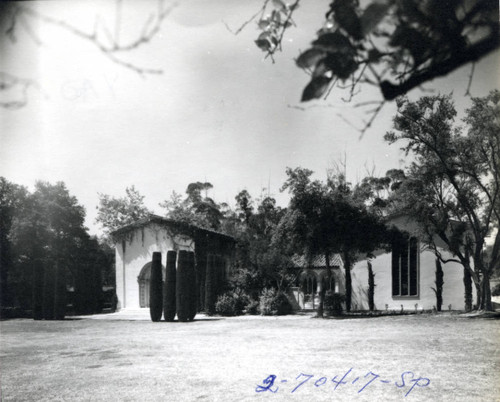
(220, 112)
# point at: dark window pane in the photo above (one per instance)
(413, 266)
(404, 268)
(396, 251)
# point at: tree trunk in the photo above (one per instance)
(439, 285)
(486, 300)
(348, 282)
(467, 290)
(371, 287)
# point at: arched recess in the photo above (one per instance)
(329, 284)
(143, 279)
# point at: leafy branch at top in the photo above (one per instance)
(396, 45)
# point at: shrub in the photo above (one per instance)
(182, 292)
(210, 286)
(193, 287)
(272, 302)
(156, 289)
(333, 303)
(496, 290)
(38, 290)
(252, 307)
(169, 287)
(231, 303)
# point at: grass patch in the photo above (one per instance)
(110, 359)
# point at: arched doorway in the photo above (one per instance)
(143, 279)
(309, 288)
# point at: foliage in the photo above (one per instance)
(210, 286)
(114, 213)
(193, 297)
(326, 218)
(333, 303)
(496, 290)
(185, 289)
(156, 289)
(197, 209)
(231, 303)
(452, 187)
(395, 45)
(169, 307)
(273, 302)
(46, 245)
(252, 307)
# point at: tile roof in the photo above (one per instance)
(300, 261)
(168, 222)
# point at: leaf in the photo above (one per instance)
(264, 44)
(320, 69)
(374, 55)
(334, 42)
(309, 58)
(316, 88)
(263, 23)
(279, 5)
(341, 65)
(373, 14)
(347, 18)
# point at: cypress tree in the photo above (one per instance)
(59, 291)
(191, 286)
(210, 286)
(156, 288)
(182, 287)
(169, 288)
(38, 277)
(48, 292)
(371, 287)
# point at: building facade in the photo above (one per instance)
(136, 243)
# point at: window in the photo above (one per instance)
(405, 266)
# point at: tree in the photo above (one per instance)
(197, 208)
(395, 45)
(12, 199)
(325, 219)
(48, 243)
(386, 41)
(453, 185)
(114, 213)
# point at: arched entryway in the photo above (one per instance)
(309, 289)
(143, 279)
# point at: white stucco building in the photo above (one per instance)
(136, 243)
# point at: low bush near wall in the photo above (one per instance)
(333, 303)
(272, 302)
(231, 303)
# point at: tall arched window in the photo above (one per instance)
(405, 266)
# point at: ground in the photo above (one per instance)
(126, 357)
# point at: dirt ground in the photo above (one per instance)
(126, 357)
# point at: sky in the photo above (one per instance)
(219, 112)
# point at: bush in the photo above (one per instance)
(272, 302)
(496, 290)
(252, 307)
(333, 303)
(230, 304)
(156, 289)
(169, 287)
